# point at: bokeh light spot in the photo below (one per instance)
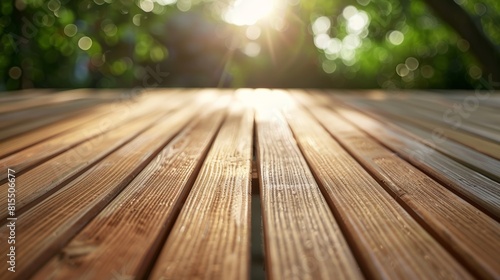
(334, 46)
(15, 72)
(118, 67)
(136, 20)
(463, 45)
(351, 41)
(363, 2)
(396, 37)
(402, 70)
(70, 30)
(329, 66)
(427, 71)
(157, 54)
(321, 25)
(321, 41)
(252, 49)
(109, 28)
(480, 9)
(184, 5)
(357, 22)
(347, 55)
(85, 43)
(475, 72)
(53, 5)
(146, 5)
(253, 32)
(411, 63)
(349, 11)
(166, 2)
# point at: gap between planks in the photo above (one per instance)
(44, 231)
(147, 208)
(447, 217)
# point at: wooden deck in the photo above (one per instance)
(159, 185)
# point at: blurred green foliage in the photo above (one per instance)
(313, 43)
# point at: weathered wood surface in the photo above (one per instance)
(301, 236)
(216, 213)
(147, 209)
(353, 184)
(452, 220)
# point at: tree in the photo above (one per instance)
(469, 29)
(313, 43)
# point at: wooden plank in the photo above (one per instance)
(216, 216)
(43, 230)
(21, 95)
(20, 122)
(141, 215)
(451, 111)
(482, 163)
(491, 96)
(455, 112)
(45, 98)
(52, 147)
(454, 221)
(15, 144)
(433, 117)
(463, 106)
(389, 243)
(485, 146)
(47, 110)
(46, 120)
(459, 152)
(301, 236)
(46, 178)
(473, 186)
(480, 144)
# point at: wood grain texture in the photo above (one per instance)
(20, 101)
(389, 242)
(21, 117)
(486, 101)
(29, 120)
(475, 187)
(441, 119)
(121, 106)
(211, 237)
(481, 163)
(52, 147)
(446, 118)
(302, 239)
(29, 138)
(488, 147)
(47, 110)
(470, 109)
(352, 184)
(454, 221)
(47, 177)
(25, 94)
(49, 225)
(457, 116)
(140, 216)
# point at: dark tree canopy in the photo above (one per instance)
(260, 43)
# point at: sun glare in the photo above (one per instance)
(248, 12)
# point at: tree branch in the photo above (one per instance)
(481, 46)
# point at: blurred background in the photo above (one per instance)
(249, 43)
